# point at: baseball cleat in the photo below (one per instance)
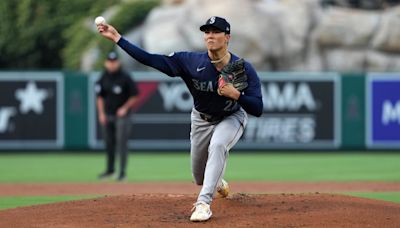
(121, 178)
(223, 189)
(106, 175)
(201, 212)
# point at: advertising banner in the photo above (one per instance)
(300, 111)
(383, 110)
(31, 110)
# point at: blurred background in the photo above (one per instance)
(329, 71)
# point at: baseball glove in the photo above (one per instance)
(233, 73)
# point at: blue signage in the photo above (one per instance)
(383, 110)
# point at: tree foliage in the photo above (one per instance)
(128, 15)
(46, 34)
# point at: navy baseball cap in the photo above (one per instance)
(112, 56)
(218, 23)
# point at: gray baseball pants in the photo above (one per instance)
(210, 145)
(116, 134)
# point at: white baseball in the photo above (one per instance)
(99, 20)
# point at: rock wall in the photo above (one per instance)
(280, 35)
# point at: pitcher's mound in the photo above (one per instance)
(239, 210)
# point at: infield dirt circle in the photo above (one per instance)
(169, 205)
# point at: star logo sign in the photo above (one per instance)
(31, 98)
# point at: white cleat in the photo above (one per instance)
(201, 212)
(223, 189)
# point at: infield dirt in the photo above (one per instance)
(171, 209)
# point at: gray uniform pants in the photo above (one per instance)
(116, 133)
(210, 145)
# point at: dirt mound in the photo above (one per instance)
(238, 210)
(110, 188)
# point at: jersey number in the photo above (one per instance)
(229, 105)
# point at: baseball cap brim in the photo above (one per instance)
(204, 28)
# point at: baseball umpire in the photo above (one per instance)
(116, 94)
(224, 88)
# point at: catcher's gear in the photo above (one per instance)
(233, 73)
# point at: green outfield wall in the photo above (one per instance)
(302, 111)
(76, 111)
(353, 111)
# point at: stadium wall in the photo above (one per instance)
(302, 111)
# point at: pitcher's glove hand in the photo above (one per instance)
(233, 73)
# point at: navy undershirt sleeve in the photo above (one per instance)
(159, 62)
(251, 99)
(252, 105)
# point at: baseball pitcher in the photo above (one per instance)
(225, 88)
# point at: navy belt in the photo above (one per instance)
(210, 118)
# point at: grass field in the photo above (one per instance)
(17, 201)
(244, 166)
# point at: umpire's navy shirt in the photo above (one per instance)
(115, 88)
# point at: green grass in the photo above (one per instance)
(315, 167)
(19, 201)
(84, 167)
(34, 168)
(387, 196)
